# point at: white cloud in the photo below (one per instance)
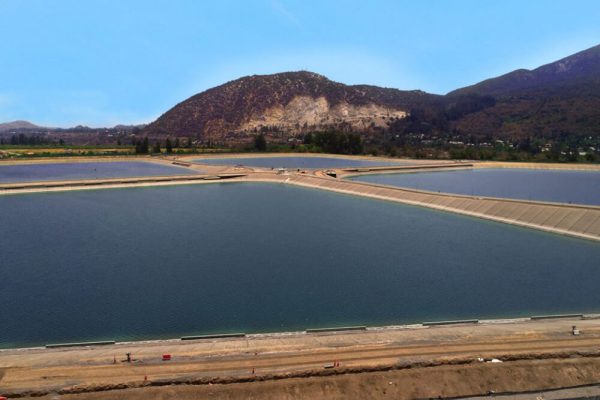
(281, 9)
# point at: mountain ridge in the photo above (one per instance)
(556, 100)
(571, 68)
(559, 98)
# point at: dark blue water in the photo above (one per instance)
(87, 170)
(297, 162)
(581, 187)
(162, 262)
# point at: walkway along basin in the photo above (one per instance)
(577, 187)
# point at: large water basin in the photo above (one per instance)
(86, 170)
(161, 262)
(298, 162)
(580, 187)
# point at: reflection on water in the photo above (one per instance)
(160, 262)
(86, 170)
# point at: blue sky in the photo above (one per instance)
(103, 62)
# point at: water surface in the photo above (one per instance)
(581, 187)
(86, 170)
(297, 162)
(161, 262)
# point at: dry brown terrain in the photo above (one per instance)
(417, 383)
(419, 361)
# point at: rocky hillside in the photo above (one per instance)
(571, 74)
(558, 100)
(293, 102)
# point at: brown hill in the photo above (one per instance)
(558, 100)
(291, 101)
(575, 72)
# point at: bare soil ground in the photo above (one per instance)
(419, 361)
(444, 381)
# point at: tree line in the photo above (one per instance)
(142, 145)
(331, 141)
(29, 140)
(335, 142)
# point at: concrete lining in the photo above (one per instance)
(556, 218)
(532, 214)
(571, 219)
(556, 316)
(456, 322)
(594, 227)
(80, 344)
(214, 336)
(585, 221)
(337, 329)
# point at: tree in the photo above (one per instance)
(260, 143)
(338, 142)
(308, 138)
(176, 143)
(591, 157)
(156, 147)
(141, 146)
(169, 146)
(355, 145)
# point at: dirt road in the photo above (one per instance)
(303, 357)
